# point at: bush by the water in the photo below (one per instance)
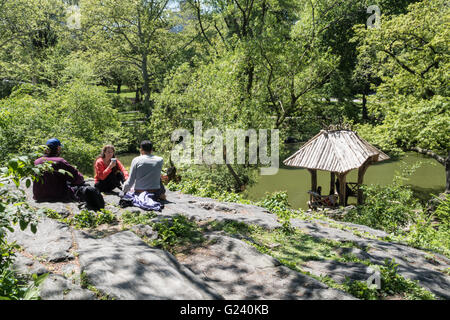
(388, 208)
(394, 209)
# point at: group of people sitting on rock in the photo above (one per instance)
(141, 187)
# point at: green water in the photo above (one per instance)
(427, 179)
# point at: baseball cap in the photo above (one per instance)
(53, 143)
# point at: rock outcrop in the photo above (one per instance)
(120, 265)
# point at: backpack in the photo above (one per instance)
(92, 196)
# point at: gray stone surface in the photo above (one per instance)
(238, 271)
(125, 267)
(355, 252)
(338, 271)
(52, 241)
(145, 230)
(25, 265)
(57, 287)
(204, 208)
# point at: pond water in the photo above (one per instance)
(428, 179)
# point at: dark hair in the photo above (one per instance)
(147, 146)
(108, 146)
(52, 151)
(102, 154)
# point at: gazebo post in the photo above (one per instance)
(313, 181)
(332, 183)
(361, 172)
(342, 184)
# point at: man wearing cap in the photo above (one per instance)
(53, 186)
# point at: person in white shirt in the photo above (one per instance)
(145, 173)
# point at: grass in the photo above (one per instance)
(125, 91)
(296, 248)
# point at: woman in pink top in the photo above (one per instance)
(109, 172)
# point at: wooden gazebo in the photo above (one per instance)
(339, 152)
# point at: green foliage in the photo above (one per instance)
(218, 177)
(31, 32)
(52, 214)
(176, 232)
(209, 190)
(360, 290)
(425, 234)
(132, 218)
(78, 114)
(442, 211)
(392, 283)
(91, 219)
(232, 227)
(5, 89)
(14, 288)
(387, 208)
(409, 53)
(394, 209)
(390, 208)
(14, 210)
(277, 203)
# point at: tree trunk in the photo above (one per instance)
(119, 86)
(447, 173)
(146, 86)
(137, 98)
(239, 184)
(365, 115)
(361, 172)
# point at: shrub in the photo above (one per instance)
(218, 176)
(392, 283)
(208, 190)
(442, 211)
(277, 203)
(393, 208)
(80, 115)
(386, 207)
(14, 210)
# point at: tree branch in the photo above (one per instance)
(429, 153)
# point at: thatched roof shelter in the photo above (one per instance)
(336, 151)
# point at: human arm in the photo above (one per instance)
(122, 169)
(131, 178)
(102, 171)
(75, 177)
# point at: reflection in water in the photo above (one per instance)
(426, 180)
